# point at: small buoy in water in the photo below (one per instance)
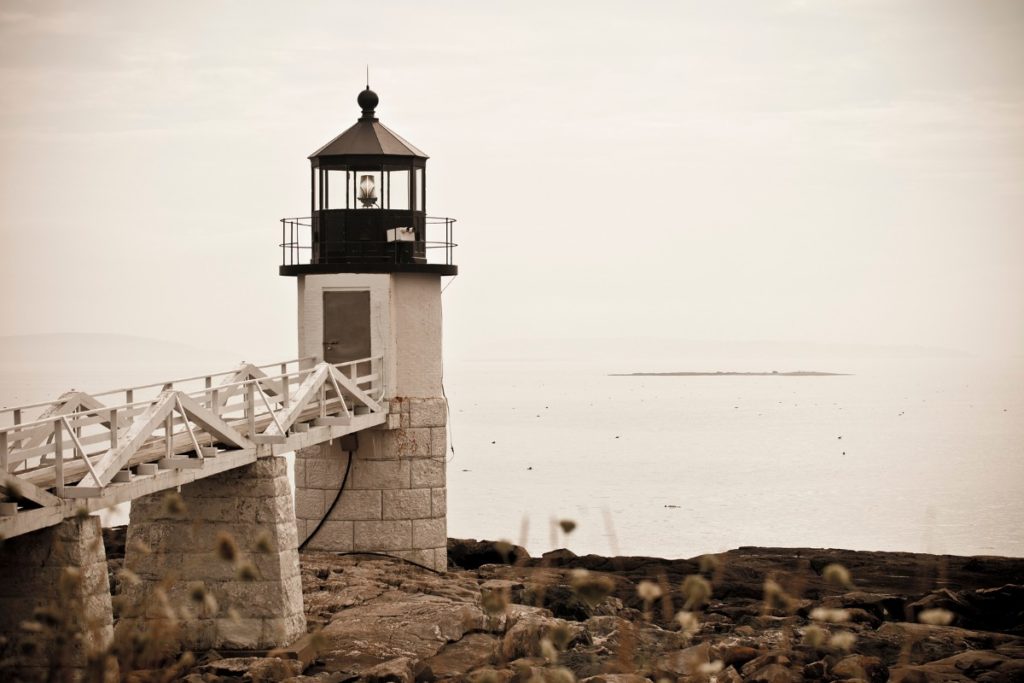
(529, 468)
(840, 437)
(616, 436)
(494, 442)
(844, 452)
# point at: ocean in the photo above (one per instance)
(901, 455)
(923, 455)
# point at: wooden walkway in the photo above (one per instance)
(87, 452)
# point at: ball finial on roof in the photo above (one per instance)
(368, 102)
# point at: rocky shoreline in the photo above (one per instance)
(763, 615)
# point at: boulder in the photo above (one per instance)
(473, 651)
(636, 644)
(882, 606)
(931, 643)
(399, 625)
(869, 669)
(616, 678)
(322, 677)
(523, 638)
(469, 553)
(772, 673)
(489, 675)
(815, 671)
(684, 662)
(728, 675)
(976, 664)
(990, 609)
(734, 654)
(762, 661)
(397, 670)
(560, 599)
(926, 673)
(267, 669)
(558, 558)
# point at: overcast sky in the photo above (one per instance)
(841, 172)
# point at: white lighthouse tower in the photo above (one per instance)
(369, 289)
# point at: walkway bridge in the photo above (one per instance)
(87, 452)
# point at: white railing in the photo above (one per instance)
(77, 445)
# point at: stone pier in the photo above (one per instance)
(394, 498)
(55, 610)
(218, 565)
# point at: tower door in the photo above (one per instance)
(346, 325)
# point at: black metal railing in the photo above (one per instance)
(301, 246)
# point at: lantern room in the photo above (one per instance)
(368, 195)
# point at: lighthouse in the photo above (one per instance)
(368, 264)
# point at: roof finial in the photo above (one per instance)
(368, 100)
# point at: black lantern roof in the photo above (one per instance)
(367, 138)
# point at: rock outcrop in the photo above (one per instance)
(772, 615)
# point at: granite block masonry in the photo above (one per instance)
(394, 499)
(218, 566)
(55, 579)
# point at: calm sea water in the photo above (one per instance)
(901, 455)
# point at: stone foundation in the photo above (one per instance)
(394, 501)
(218, 566)
(54, 581)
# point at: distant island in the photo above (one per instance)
(773, 373)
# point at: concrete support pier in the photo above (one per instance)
(55, 609)
(394, 498)
(219, 565)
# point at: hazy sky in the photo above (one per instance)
(818, 171)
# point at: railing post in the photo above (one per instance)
(58, 451)
(371, 390)
(215, 402)
(113, 428)
(168, 431)
(250, 408)
(285, 392)
(3, 452)
(77, 432)
(17, 416)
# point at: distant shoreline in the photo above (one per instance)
(797, 373)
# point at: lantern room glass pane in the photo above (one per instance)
(335, 193)
(397, 193)
(420, 194)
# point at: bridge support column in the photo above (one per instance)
(53, 589)
(394, 500)
(219, 566)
